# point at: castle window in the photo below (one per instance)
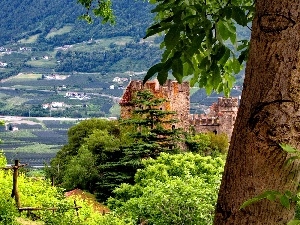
(173, 127)
(160, 108)
(215, 132)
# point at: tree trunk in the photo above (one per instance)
(269, 114)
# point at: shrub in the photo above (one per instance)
(207, 143)
(174, 189)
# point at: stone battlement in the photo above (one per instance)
(167, 90)
(201, 119)
(220, 119)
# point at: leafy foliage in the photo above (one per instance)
(149, 131)
(77, 136)
(207, 143)
(196, 41)
(100, 154)
(102, 9)
(200, 39)
(173, 189)
(39, 193)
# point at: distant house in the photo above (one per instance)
(120, 79)
(117, 79)
(15, 128)
(54, 77)
(46, 106)
(77, 95)
(64, 48)
(24, 49)
(62, 87)
(2, 64)
(57, 104)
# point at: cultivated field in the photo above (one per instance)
(33, 140)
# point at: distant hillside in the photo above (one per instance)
(23, 18)
(44, 38)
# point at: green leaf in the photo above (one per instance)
(208, 89)
(243, 56)
(290, 160)
(225, 57)
(222, 31)
(216, 76)
(236, 66)
(194, 79)
(203, 80)
(209, 39)
(196, 43)
(218, 51)
(288, 194)
(239, 16)
(285, 201)
(153, 70)
(204, 64)
(86, 17)
(271, 195)
(232, 32)
(172, 37)
(162, 76)
(177, 69)
(249, 202)
(156, 29)
(288, 148)
(294, 222)
(226, 12)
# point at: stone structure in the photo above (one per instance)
(220, 119)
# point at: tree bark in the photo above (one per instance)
(269, 114)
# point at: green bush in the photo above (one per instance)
(37, 192)
(219, 142)
(174, 189)
(8, 211)
(207, 143)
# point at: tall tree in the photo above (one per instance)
(269, 109)
(150, 131)
(268, 115)
(77, 136)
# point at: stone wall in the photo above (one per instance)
(177, 96)
(220, 119)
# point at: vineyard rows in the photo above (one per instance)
(35, 142)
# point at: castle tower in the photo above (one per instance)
(177, 96)
(227, 112)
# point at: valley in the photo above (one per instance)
(33, 140)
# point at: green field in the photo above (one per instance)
(101, 44)
(42, 63)
(30, 39)
(64, 30)
(35, 141)
(26, 76)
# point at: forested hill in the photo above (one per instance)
(23, 18)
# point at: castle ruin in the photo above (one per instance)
(220, 119)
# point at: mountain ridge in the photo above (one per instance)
(20, 18)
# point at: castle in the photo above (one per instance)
(220, 119)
